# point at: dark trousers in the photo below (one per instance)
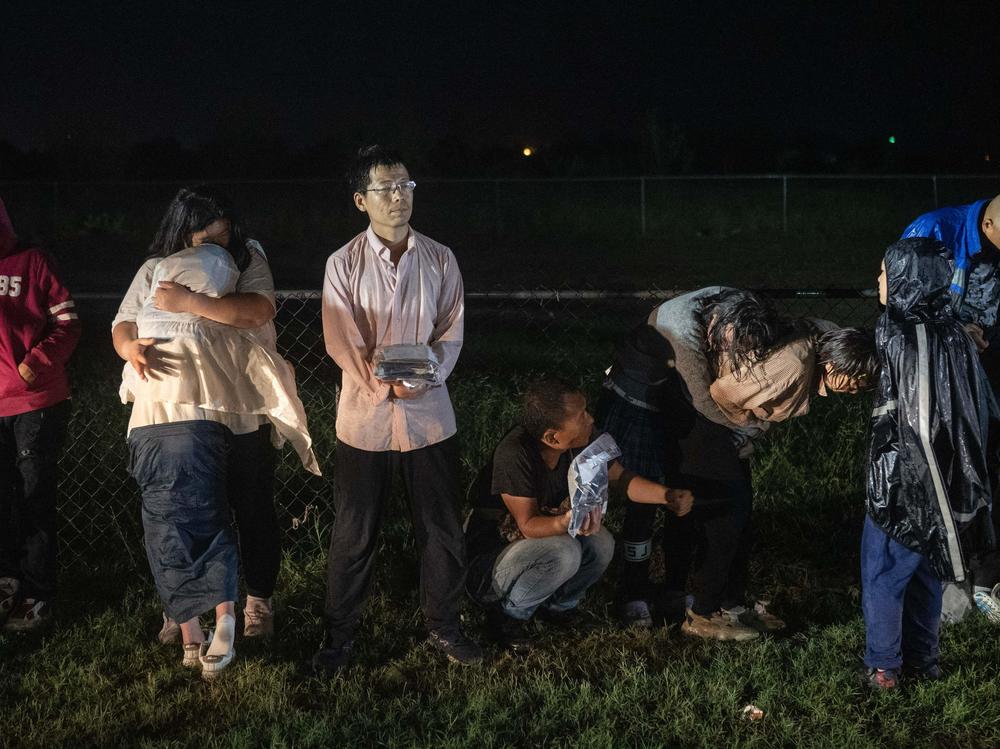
(30, 444)
(712, 543)
(901, 601)
(250, 491)
(362, 485)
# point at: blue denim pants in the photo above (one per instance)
(901, 601)
(555, 571)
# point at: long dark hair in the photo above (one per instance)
(191, 210)
(744, 327)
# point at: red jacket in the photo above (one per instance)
(38, 326)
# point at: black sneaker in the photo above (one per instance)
(330, 660)
(509, 633)
(930, 672)
(559, 617)
(453, 643)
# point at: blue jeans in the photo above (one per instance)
(901, 601)
(556, 571)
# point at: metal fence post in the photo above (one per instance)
(784, 203)
(642, 205)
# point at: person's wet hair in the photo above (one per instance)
(850, 352)
(191, 210)
(369, 158)
(543, 405)
(744, 327)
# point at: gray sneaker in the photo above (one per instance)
(758, 617)
(636, 614)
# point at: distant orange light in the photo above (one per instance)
(527, 151)
(987, 157)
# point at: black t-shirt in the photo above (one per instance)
(517, 468)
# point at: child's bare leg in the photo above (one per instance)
(225, 629)
(191, 631)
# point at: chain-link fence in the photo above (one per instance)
(510, 337)
(531, 232)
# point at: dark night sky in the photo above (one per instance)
(507, 73)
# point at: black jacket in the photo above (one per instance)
(928, 486)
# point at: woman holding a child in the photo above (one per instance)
(210, 394)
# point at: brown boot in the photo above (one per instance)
(258, 617)
(718, 626)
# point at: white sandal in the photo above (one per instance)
(214, 659)
(194, 650)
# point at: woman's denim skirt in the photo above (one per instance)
(181, 471)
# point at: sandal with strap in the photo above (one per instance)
(217, 657)
(194, 650)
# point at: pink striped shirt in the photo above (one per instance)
(369, 302)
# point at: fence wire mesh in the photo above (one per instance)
(510, 337)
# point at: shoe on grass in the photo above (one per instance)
(194, 650)
(10, 590)
(989, 603)
(757, 617)
(507, 632)
(635, 614)
(882, 678)
(258, 617)
(718, 626)
(170, 632)
(220, 651)
(928, 672)
(27, 615)
(559, 617)
(331, 659)
(455, 645)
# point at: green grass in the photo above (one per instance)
(98, 678)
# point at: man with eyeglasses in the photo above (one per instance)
(392, 285)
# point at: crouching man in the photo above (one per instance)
(521, 558)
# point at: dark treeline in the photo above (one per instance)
(648, 145)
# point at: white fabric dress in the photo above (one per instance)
(219, 367)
